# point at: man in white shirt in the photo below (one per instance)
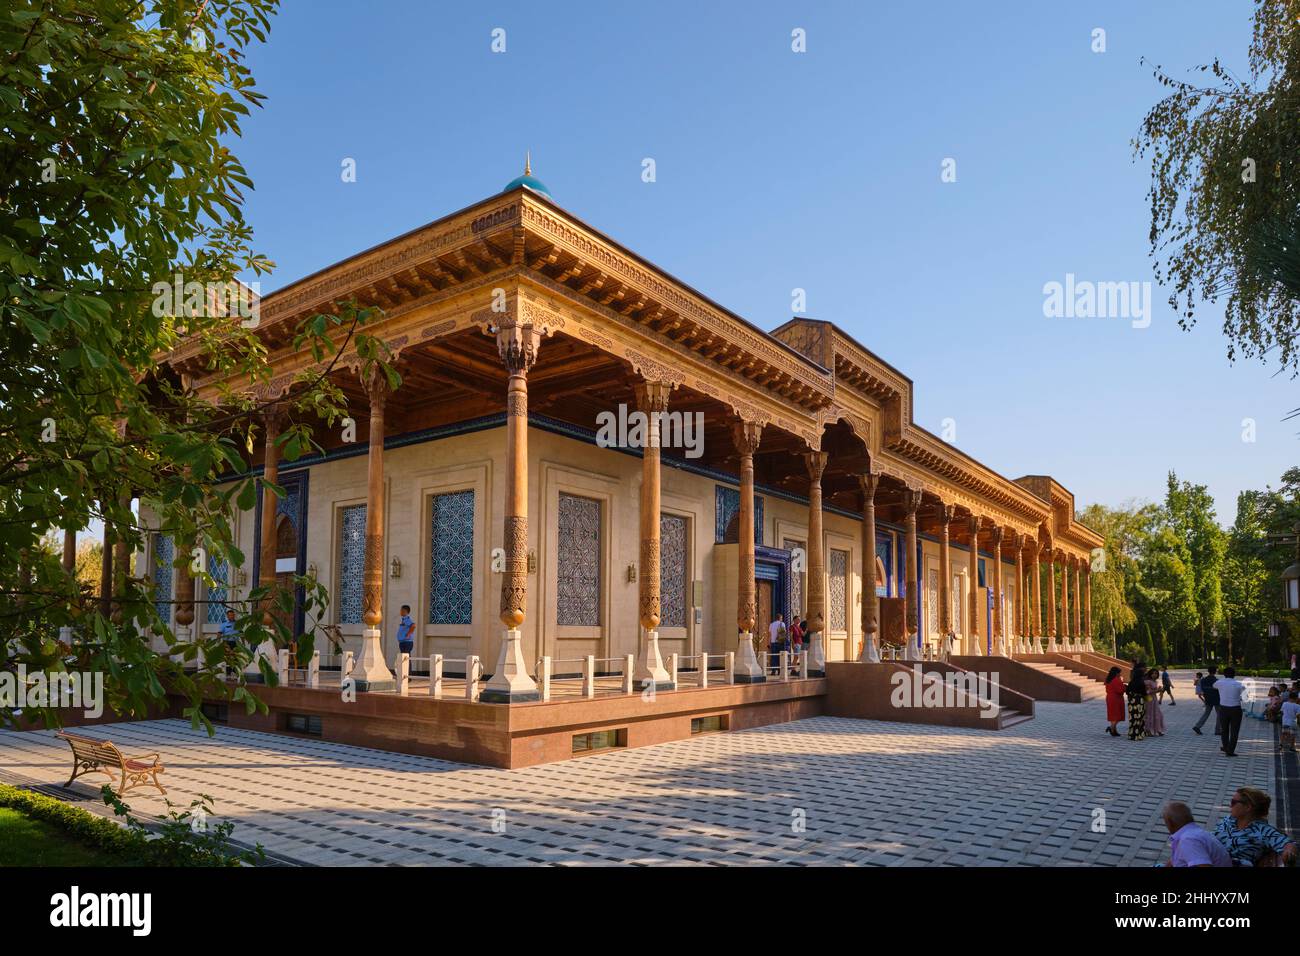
(1230, 691)
(776, 640)
(1189, 844)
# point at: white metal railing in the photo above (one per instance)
(544, 674)
(472, 669)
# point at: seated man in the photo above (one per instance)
(1189, 844)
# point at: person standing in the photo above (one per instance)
(776, 640)
(796, 640)
(1137, 702)
(1155, 717)
(1167, 686)
(229, 632)
(1290, 708)
(1114, 700)
(405, 631)
(1210, 697)
(1230, 691)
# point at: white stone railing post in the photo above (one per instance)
(731, 667)
(784, 657)
(471, 677)
(545, 669)
(672, 668)
(589, 676)
(403, 674)
(803, 666)
(629, 662)
(313, 670)
(435, 677)
(704, 669)
(348, 660)
(282, 666)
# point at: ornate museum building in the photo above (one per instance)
(788, 476)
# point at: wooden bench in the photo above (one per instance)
(100, 756)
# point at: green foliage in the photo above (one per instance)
(1193, 591)
(180, 841)
(1132, 651)
(118, 177)
(1225, 170)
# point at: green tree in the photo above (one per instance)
(1225, 170)
(118, 178)
(1190, 512)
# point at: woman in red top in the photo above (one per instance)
(1114, 699)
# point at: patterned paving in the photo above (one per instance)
(821, 791)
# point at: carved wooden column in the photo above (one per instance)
(912, 501)
(1078, 610)
(999, 629)
(1087, 608)
(272, 421)
(1066, 636)
(1052, 646)
(816, 464)
(1036, 623)
(746, 436)
(1022, 599)
(973, 645)
(870, 601)
(946, 514)
(517, 344)
(185, 595)
(371, 671)
(652, 401)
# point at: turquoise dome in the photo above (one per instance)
(529, 181)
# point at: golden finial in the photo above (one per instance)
(528, 163)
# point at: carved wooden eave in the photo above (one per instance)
(522, 234)
(861, 373)
(1065, 528)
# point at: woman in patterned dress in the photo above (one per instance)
(1137, 703)
(1248, 836)
(1155, 718)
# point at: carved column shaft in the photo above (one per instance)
(1051, 600)
(376, 384)
(1078, 611)
(912, 501)
(870, 601)
(106, 571)
(651, 401)
(1087, 602)
(973, 586)
(816, 464)
(272, 419)
(1065, 599)
(1037, 582)
(946, 513)
(1022, 600)
(995, 542)
(746, 436)
(121, 562)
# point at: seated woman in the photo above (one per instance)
(1248, 836)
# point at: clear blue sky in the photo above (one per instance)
(819, 170)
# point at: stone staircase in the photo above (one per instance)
(1009, 717)
(1091, 689)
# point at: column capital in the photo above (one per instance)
(973, 524)
(652, 396)
(517, 344)
(947, 513)
(815, 462)
(274, 416)
(746, 435)
(375, 383)
(868, 482)
(995, 534)
(911, 501)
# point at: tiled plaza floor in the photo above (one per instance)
(866, 792)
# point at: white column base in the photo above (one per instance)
(371, 671)
(1088, 646)
(816, 656)
(510, 683)
(870, 652)
(650, 665)
(748, 670)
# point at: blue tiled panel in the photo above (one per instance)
(451, 569)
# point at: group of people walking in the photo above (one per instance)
(786, 638)
(1140, 697)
